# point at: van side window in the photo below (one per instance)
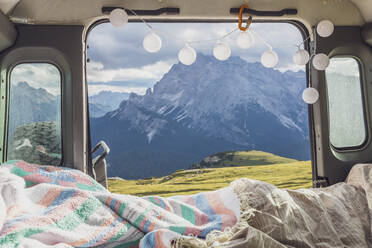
(34, 127)
(347, 124)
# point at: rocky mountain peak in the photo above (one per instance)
(208, 107)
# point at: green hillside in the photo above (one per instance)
(240, 158)
(282, 172)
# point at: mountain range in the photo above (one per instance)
(105, 101)
(208, 107)
(192, 112)
(29, 105)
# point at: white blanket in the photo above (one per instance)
(335, 216)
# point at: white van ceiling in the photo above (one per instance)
(341, 12)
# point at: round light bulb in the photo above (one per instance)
(269, 59)
(310, 95)
(118, 17)
(187, 55)
(152, 43)
(301, 57)
(245, 40)
(325, 28)
(320, 61)
(221, 51)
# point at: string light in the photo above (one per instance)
(152, 42)
(301, 57)
(187, 55)
(310, 95)
(245, 40)
(269, 59)
(320, 61)
(325, 28)
(118, 17)
(221, 51)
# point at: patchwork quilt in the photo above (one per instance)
(46, 206)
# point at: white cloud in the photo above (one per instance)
(122, 48)
(149, 73)
(118, 55)
(291, 67)
(38, 75)
(95, 89)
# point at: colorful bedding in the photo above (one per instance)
(55, 207)
(46, 206)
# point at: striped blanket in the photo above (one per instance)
(46, 206)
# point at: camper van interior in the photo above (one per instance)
(199, 123)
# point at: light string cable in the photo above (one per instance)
(312, 54)
(222, 37)
(303, 42)
(262, 39)
(142, 19)
(216, 39)
(296, 45)
(269, 59)
(173, 36)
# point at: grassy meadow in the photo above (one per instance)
(282, 172)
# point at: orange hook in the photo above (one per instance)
(249, 21)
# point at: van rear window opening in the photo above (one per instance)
(178, 129)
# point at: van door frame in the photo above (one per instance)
(61, 45)
(333, 165)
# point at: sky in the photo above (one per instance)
(118, 61)
(38, 75)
